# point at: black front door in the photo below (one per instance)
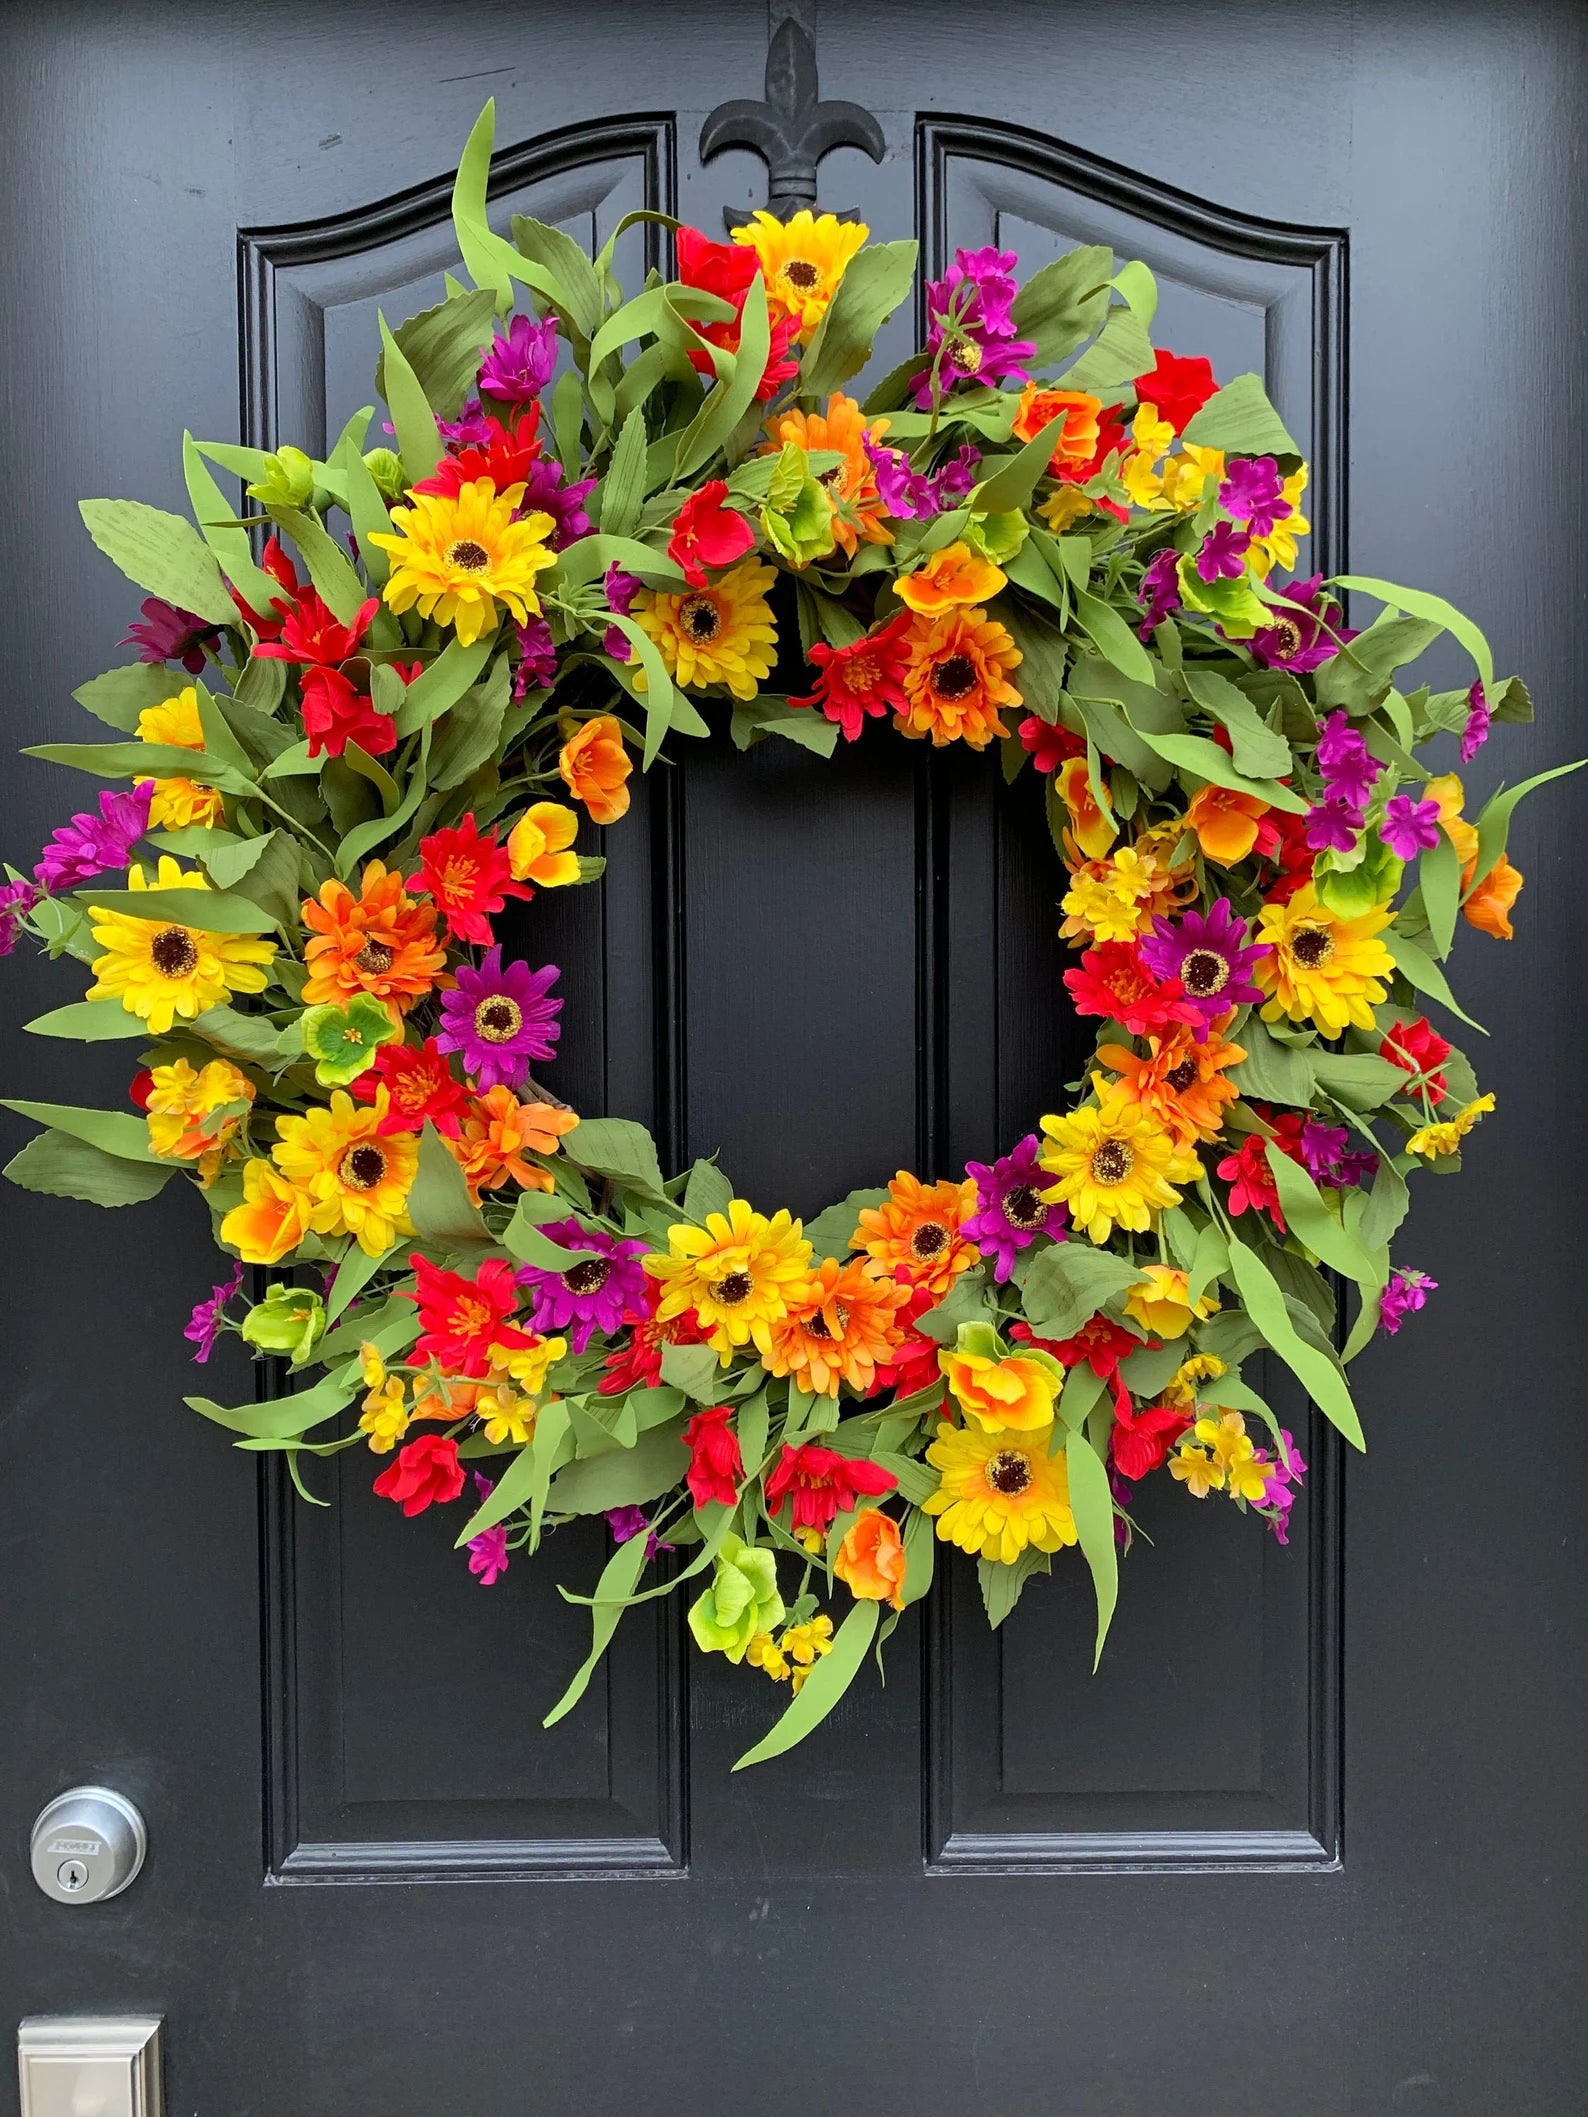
(1308, 1844)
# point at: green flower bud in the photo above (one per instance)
(290, 1320)
(1371, 879)
(288, 480)
(997, 537)
(741, 1601)
(798, 516)
(385, 467)
(343, 1041)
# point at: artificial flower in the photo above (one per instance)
(1250, 1177)
(17, 899)
(343, 1041)
(706, 532)
(548, 492)
(1221, 556)
(290, 1322)
(413, 1085)
(183, 1105)
(1226, 822)
(537, 846)
(489, 1556)
(381, 942)
(1435, 1141)
(495, 1134)
(595, 768)
(721, 634)
(864, 678)
(1305, 629)
(425, 1473)
(822, 1484)
(1177, 385)
(456, 556)
(273, 1218)
(716, 1468)
(1011, 1211)
(1406, 1292)
(956, 678)
(1111, 900)
(1319, 967)
(1419, 1049)
(840, 1329)
(919, 1229)
(518, 366)
(913, 1366)
(948, 580)
(498, 1017)
(1092, 830)
(1049, 745)
(168, 633)
(469, 877)
(1114, 982)
(1479, 720)
(729, 273)
(203, 1327)
(1211, 955)
(1409, 827)
(802, 260)
(1487, 906)
(742, 1600)
(1000, 1493)
(506, 454)
(1182, 1386)
(357, 1177)
(1006, 1390)
(593, 1293)
(970, 326)
(1181, 1084)
(870, 1561)
(177, 802)
(738, 1273)
(797, 515)
(1278, 545)
(1350, 770)
(1161, 1302)
(1143, 1436)
(462, 1319)
(1113, 1166)
(159, 969)
(91, 845)
(859, 509)
(537, 658)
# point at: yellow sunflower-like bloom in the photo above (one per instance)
(1113, 1165)
(1322, 968)
(1162, 1302)
(159, 971)
(176, 803)
(538, 843)
(802, 261)
(180, 1101)
(720, 634)
(358, 1180)
(1432, 1141)
(740, 1273)
(458, 555)
(999, 1492)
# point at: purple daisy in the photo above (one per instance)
(1406, 1293)
(1010, 1209)
(1212, 956)
(1159, 593)
(537, 658)
(545, 492)
(1409, 827)
(518, 367)
(499, 1018)
(205, 1325)
(972, 308)
(170, 634)
(1305, 633)
(590, 1296)
(92, 845)
(17, 899)
(1479, 717)
(488, 1550)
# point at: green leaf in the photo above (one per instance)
(269, 877)
(1311, 1222)
(1120, 352)
(1195, 754)
(440, 686)
(619, 1578)
(919, 1557)
(1494, 824)
(480, 249)
(330, 568)
(471, 733)
(619, 1148)
(829, 1233)
(1357, 1079)
(211, 911)
(1092, 1505)
(559, 255)
(661, 698)
(874, 283)
(120, 696)
(116, 1131)
(368, 513)
(418, 441)
(62, 1166)
(1069, 1283)
(282, 1418)
(694, 1369)
(823, 1687)
(707, 1191)
(511, 1490)
(253, 1038)
(162, 553)
(1001, 1585)
(1113, 638)
(1317, 1374)
(762, 717)
(727, 404)
(443, 346)
(1257, 750)
(354, 1272)
(439, 1204)
(1011, 485)
(626, 1477)
(1433, 609)
(1273, 1072)
(623, 488)
(367, 836)
(138, 760)
(1240, 420)
(1384, 1208)
(1083, 1391)
(1061, 305)
(90, 1022)
(228, 540)
(522, 1236)
(1420, 970)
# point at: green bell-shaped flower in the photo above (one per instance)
(741, 1601)
(290, 1321)
(798, 516)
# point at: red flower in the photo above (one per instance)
(1114, 982)
(336, 712)
(1419, 1048)
(280, 568)
(505, 458)
(313, 635)
(140, 1088)
(727, 270)
(1142, 1439)
(1102, 1344)
(915, 1359)
(864, 677)
(420, 1085)
(470, 876)
(707, 533)
(462, 1318)
(1282, 838)
(1179, 388)
(1248, 1175)
(638, 1363)
(715, 1465)
(1050, 746)
(425, 1471)
(824, 1484)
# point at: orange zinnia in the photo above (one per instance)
(956, 678)
(595, 767)
(1225, 822)
(858, 512)
(1076, 440)
(841, 1331)
(498, 1132)
(382, 942)
(1488, 908)
(949, 580)
(916, 1230)
(1181, 1085)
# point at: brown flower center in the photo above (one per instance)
(700, 618)
(362, 1166)
(1112, 1162)
(816, 1326)
(1024, 1206)
(1180, 1077)
(730, 1291)
(801, 273)
(1204, 972)
(588, 1277)
(929, 1239)
(374, 959)
(1312, 946)
(954, 677)
(472, 557)
(1287, 636)
(1009, 1471)
(174, 952)
(498, 1019)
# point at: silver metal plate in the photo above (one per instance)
(90, 2066)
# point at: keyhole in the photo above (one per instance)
(72, 1875)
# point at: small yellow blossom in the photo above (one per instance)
(1432, 1141)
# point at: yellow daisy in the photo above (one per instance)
(802, 261)
(721, 634)
(739, 1273)
(159, 971)
(999, 1492)
(1320, 967)
(458, 555)
(1114, 1165)
(358, 1180)
(176, 803)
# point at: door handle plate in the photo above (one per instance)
(90, 2066)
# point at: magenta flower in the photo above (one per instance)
(1305, 634)
(1223, 553)
(1333, 826)
(1326, 1161)
(92, 845)
(1409, 827)
(590, 1296)
(17, 899)
(1287, 1472)
(488, 1550)
(1349, 768)
(499, 1018)
(975, 297)
(1212, 956)
(620, 589)
(518, 367)
(545, 492)
(1476, 732)
(470, 429)
(1159, 593)
(1253, 493)
(628, 1522)
(204, 1326)
(168, 634)
(1406, 1293)
(1010, 1209)
(537, 663)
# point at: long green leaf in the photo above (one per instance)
(1311, 1222)
(1419, 603)
(90, 1022)
(823, 1687)
(439, 687)
(215, 514)
(61, 1166)
(1113, 638)
(872, 287)
(1419, 969)
(727, 404)
(1092, 1505)
(162, 553)
(1316, 1373)
(619, 1577)
(115, 1132)
(1240, 420)
(1494, 824)
(418, 438)
(210, 911)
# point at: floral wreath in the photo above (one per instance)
(596, 517)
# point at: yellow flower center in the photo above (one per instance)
(1204, 972)
(929, 1238)
(964, 354)
(362, 1166)
(1112, 1163)
(374, 959)
(700, 618)
(729, 1292)
(1312, 946)
(1009, 1472)
(1024, 1207)
(801, 273)
(954, 677)
(1288, 635)
(472, 557)
(589, 1277)
(173, 952)
(498, 1019)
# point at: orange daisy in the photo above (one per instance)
(843, 1329)
(956, 676)
(1181, 1085)
(916, 1230)
(498, 1132)
(858, 513)
(382, 942)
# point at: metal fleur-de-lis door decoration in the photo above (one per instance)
(792, 129)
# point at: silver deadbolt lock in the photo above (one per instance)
(88, 1844)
